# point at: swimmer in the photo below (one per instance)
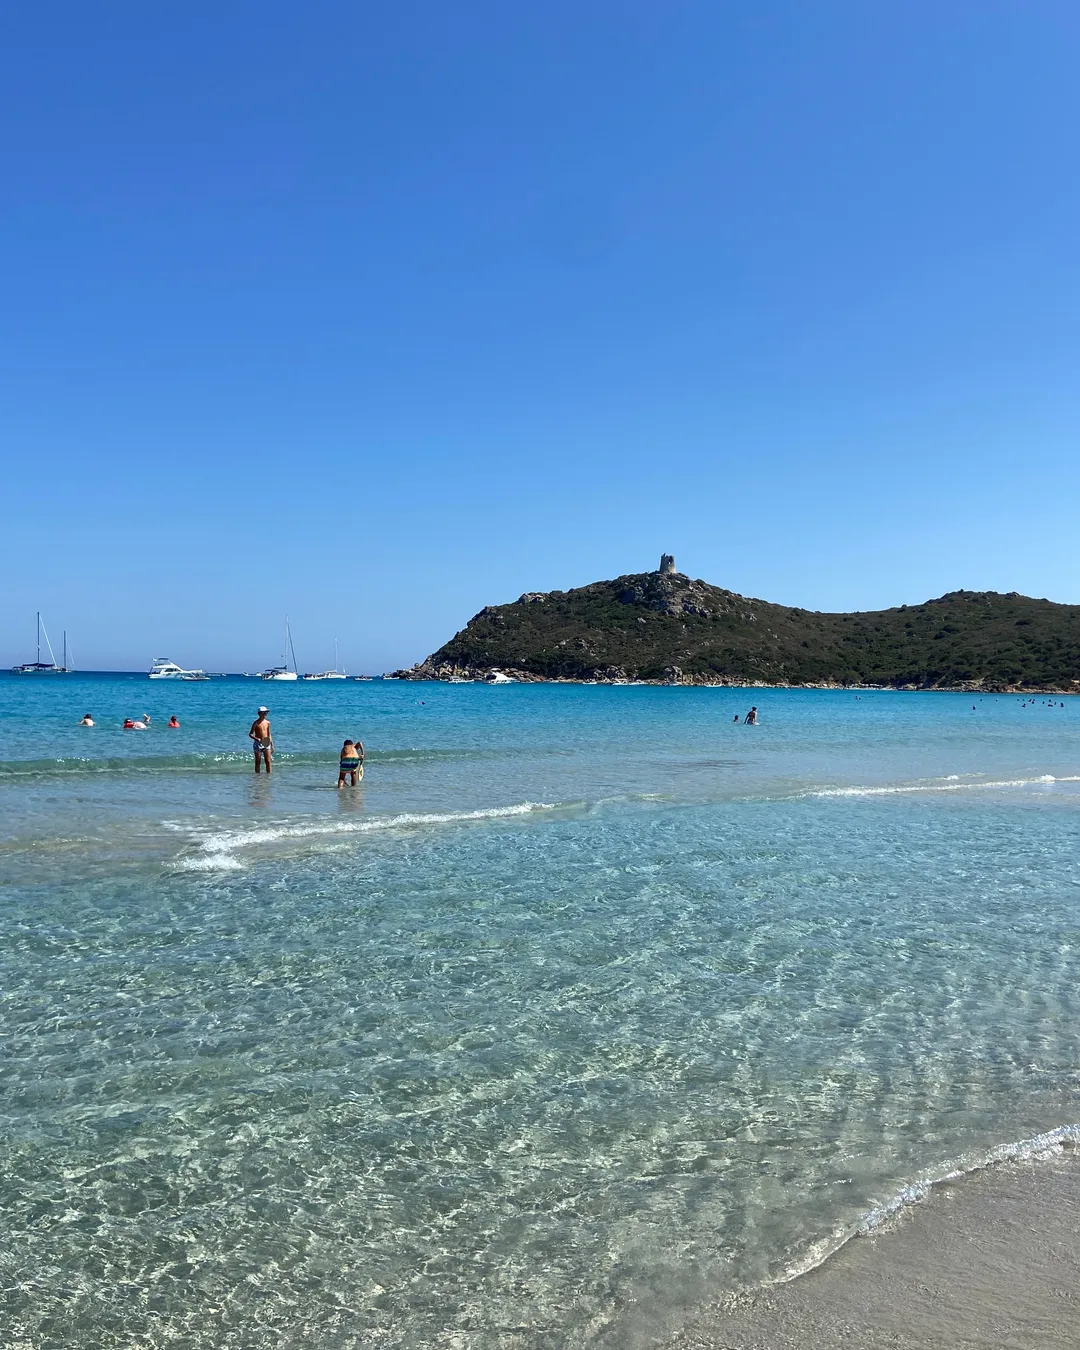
(350, 763)
(750, 720)
(174, 725)
(87, 721)
(735, 718)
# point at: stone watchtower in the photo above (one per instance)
(667, 565)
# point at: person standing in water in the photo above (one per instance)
(750, 720)
(87, 721)
(262, 738)
(350, 762)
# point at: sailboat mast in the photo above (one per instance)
(48, 643)
(39, 637)
(65, 649)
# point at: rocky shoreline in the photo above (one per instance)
(449, 674)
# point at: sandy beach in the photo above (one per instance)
(989, 1261)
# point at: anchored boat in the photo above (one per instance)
(283, 672)
(164, 669)
(336, 674)
(40, 667)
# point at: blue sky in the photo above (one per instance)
(376, 314)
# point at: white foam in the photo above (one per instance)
(216, 850)
(947, 786)
(214, 862)
(1038, 1148)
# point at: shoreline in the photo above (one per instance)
(481, 675)
(983, 1258)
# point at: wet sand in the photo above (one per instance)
(989, 1262)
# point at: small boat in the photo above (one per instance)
(497, 677)
(460, 679)
(164, 669)
(283, 672)
(40, 667)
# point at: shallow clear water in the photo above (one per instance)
(588, 1005)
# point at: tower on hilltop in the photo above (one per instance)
(667, 565)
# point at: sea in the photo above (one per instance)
(590, 1007)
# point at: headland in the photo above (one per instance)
(664, 627)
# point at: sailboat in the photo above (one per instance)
(40, 667)
(336, 674)
(283, 671)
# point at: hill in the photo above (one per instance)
(662, 626)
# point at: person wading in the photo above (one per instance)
(262, 739)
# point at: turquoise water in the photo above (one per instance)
(587, 1006)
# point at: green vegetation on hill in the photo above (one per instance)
(650, 626)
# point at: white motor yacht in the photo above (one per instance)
(164, 669)
(497, 677)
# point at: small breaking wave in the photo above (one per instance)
(217, 851)
(220, 761)
(1038, 1148)
(947, 785)
(117, 764)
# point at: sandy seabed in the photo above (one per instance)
(989, 1262)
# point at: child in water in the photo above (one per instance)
(351, 763)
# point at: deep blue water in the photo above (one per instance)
(587, 1005)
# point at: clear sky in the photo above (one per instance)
(378, 313)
